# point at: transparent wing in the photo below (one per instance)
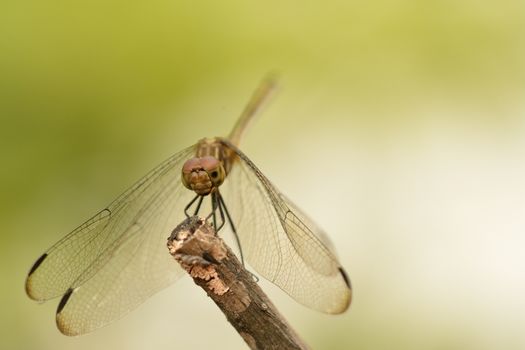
(281, 243)
(118, 258)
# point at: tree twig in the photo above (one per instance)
(214, 267)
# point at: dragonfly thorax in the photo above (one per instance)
(203, 174)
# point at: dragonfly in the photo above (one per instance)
(117, 259)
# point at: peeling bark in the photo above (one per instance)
(214, 267)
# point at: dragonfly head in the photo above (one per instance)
(203, 174)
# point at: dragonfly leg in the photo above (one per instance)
(198, 206)
(221, 211)
(223, 206)
(190, 204)
(213, 210)
(216, 206)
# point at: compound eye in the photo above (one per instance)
(214, 168)
(189, 166)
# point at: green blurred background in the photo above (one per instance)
(399, 126)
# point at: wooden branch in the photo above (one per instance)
(214, 267)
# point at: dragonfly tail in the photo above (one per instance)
(259, 97)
